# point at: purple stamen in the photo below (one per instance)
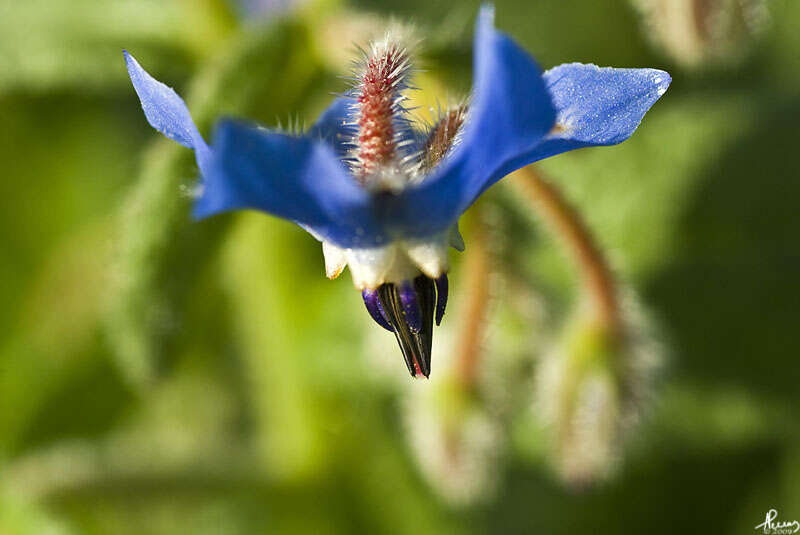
(408, 300)
(382, 311)
(375, 308)
(442, 287)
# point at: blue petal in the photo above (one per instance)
(299, 179)
(597, 106)
(333, 126)
(509, 115)
(166, 111)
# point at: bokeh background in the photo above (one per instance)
(161, 376)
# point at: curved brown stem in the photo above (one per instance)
(476, 282)
(596, 277)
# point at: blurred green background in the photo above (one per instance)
(164, 376)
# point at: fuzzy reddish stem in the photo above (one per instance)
(476, 281)
(596, 276)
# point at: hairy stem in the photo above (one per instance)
(473, 322)
(596, 277)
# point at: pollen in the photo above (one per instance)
(442, 136)
(379, 101)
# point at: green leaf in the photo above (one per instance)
(45, 45)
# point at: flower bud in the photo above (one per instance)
(456, 441)
(696, 32)
(591, 388)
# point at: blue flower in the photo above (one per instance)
(384, 196)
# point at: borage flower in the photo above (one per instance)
(384, 195)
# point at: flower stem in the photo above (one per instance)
(596, 277)
(473, 322)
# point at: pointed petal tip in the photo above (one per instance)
(455, 240)
(597, 105)
(335, 260)
(164, 109)
(430, 256)
(486, 14)
(334, 274)
(131, 64)
(662, 80)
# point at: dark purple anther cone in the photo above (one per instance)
(410, 306)
(442, 286)
(375, 308)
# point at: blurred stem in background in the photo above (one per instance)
(597, 282)
(699, 33)
(475, 281)
(594, 381)
(456, 437)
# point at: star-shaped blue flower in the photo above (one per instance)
(384, 197)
